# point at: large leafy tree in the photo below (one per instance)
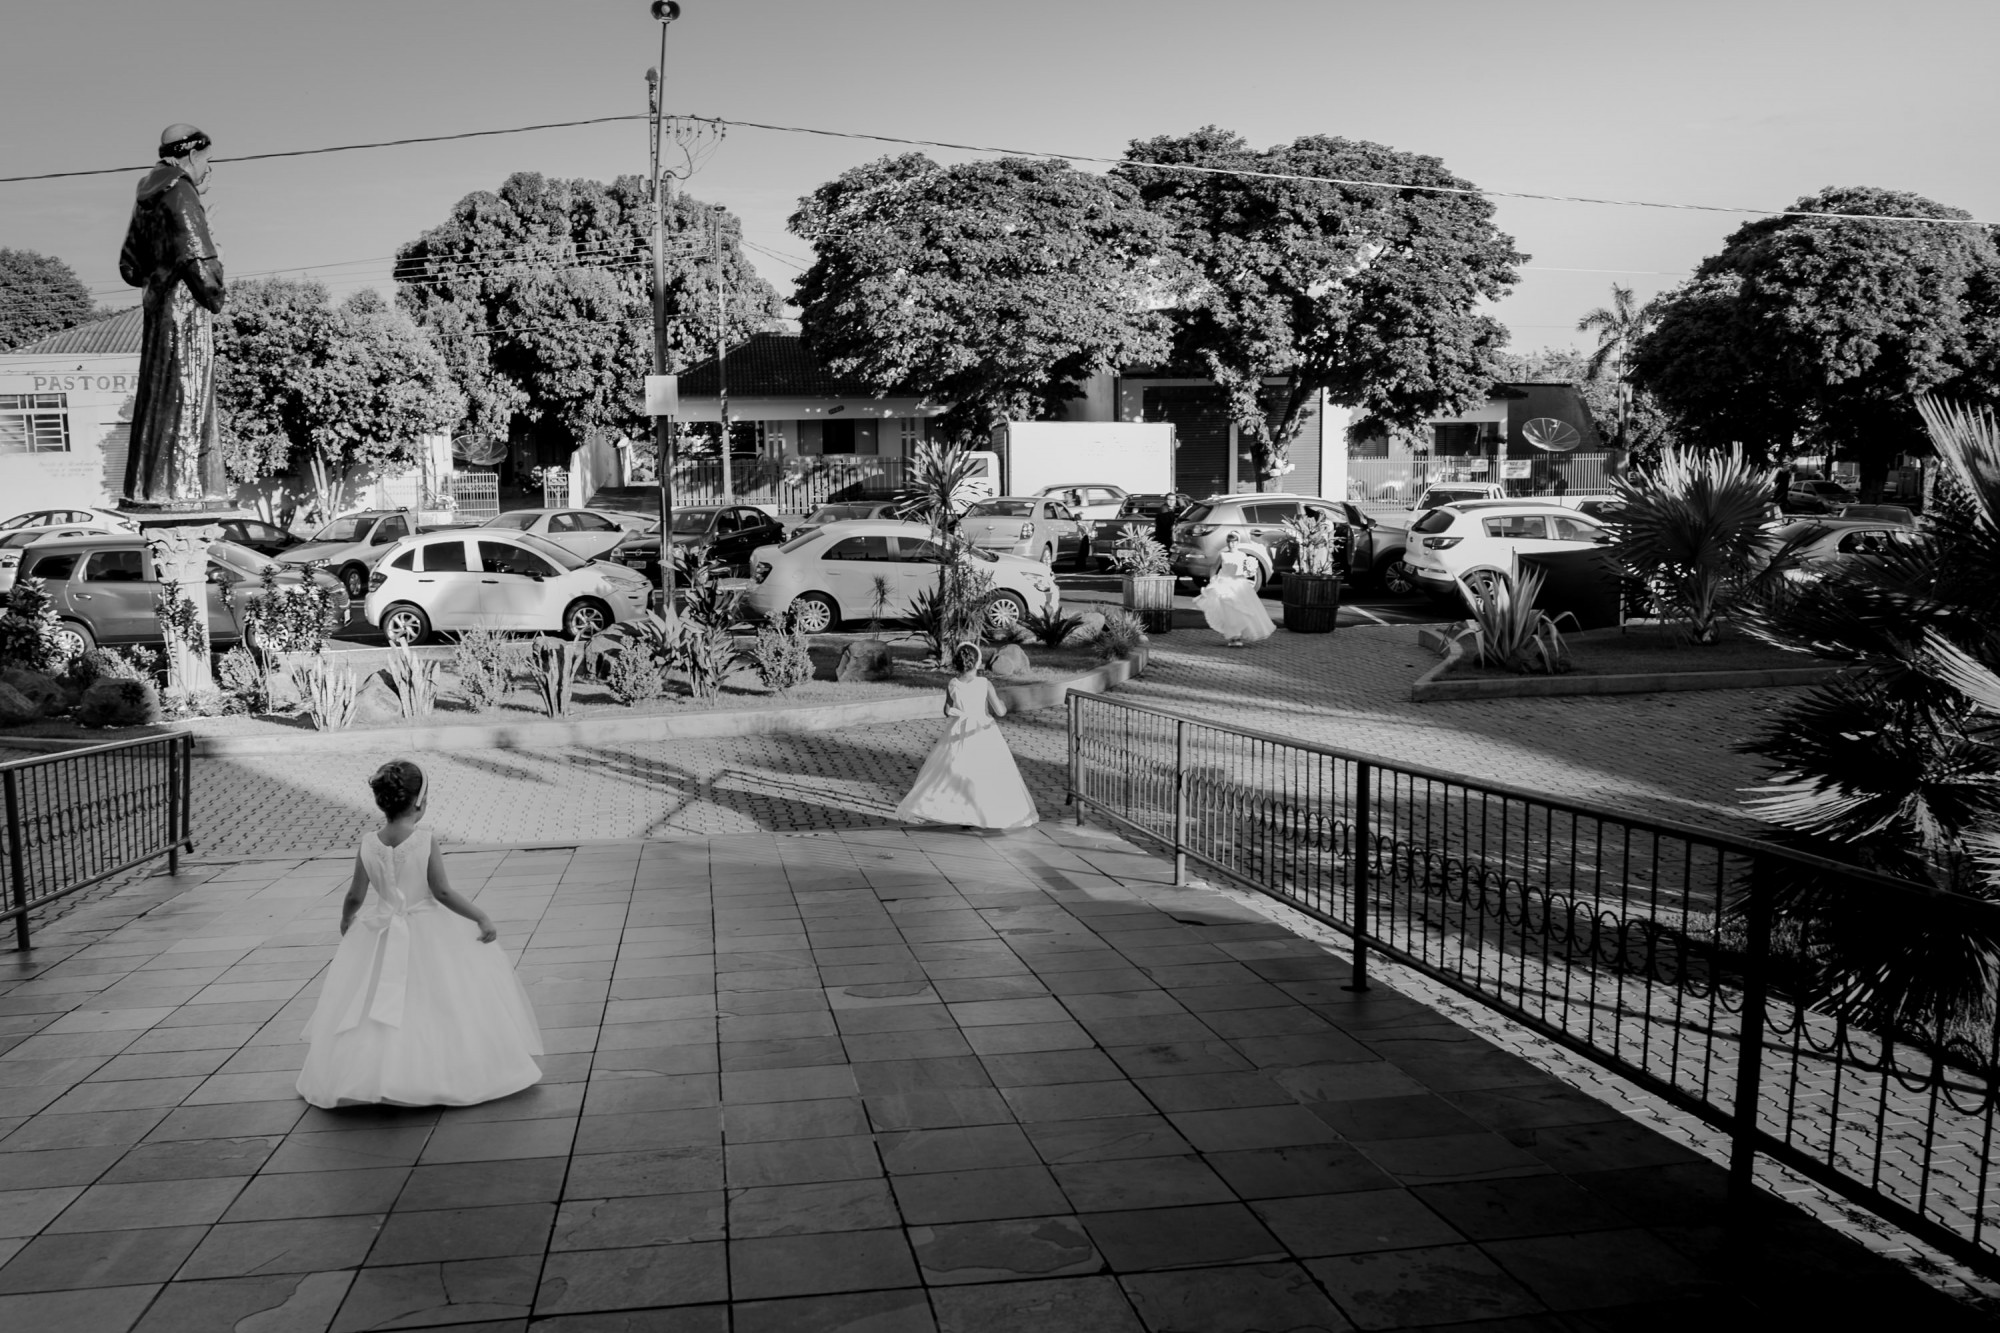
(39, 295)
(995, 287)
(308, 387)
(1818, 330)
(540, 295)
(1371, 293)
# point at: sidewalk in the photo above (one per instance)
(870, 1079)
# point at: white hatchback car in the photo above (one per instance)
(1483, 542)
(468, 577)
(828, 575)
(589, 533)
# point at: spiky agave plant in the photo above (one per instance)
(1692, 529)
(1896, 764)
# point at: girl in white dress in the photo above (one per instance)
(418, 1009)
(1230, 602)
(970, 777)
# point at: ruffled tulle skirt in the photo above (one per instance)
(970, 778)
(1234, 610)
(419, 1014)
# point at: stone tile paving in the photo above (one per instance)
(877, 1079)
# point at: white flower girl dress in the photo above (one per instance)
(970, 776)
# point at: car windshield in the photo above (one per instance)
(1196, 513)
(803, 539)
(18, 539)
(521, 520)
(829, 514)
(565, 558)
(342, 530)
(239, 557)
(1437, 520)
(1002, 509)
(692, 520)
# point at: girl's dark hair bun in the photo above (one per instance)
(966, 654)
(396, 785)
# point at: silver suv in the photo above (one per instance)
(1373, 549)
(352, 544)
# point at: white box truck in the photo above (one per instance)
(1136, 457)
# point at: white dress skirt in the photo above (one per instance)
(1231, 605)
(415, 1010)
(970, 776)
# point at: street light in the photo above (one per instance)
(664, 12)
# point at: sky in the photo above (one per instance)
(1744, 104)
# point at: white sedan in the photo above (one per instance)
(829, 575)
(470, 577)
(1087, 502)
(589, 533)
(93, 520)
(1482, 542)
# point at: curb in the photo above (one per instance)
(692, 726)
(1432, 687)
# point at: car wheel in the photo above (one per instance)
(815, 613)
(1259, 576)
(405, 626)
(355, 578)
(1397, 580)
(1004, 611)
(1485, 582)
(585, 619)
(73, 639)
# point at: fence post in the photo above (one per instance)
(1180, 804)
(17, 858)
(187, 788)
(1362, 867)
(174, 822)
(1075, 757)
(1750, 1055)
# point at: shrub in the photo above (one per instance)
(781, 656)
(291, 618)
(1321, 543)
(555, 664)
(119, 701)
(176, 704)
(1049, 625)
(414, 679)
(240, 677)
(706, 643)
(634, 656)
(1509, 631)
(633, 678)
(28, 630)
(955, 615)
(328, 689)
(1691, 530)
(485, 664)
(1140, 554)
(1122, 635)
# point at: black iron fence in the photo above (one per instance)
(81, 816)
(1680, 958)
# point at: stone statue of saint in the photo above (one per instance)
(174, 459)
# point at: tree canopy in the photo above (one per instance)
(994, 287)
(39, 295)
(1821, 332)
(306, 385)
(539, 295)
(1369, 293)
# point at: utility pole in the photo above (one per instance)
(664, 12)
(721, 352)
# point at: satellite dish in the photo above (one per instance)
(478, 450)
(1551, 434)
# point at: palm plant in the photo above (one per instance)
(1896, 764)
(1619, 327)
(1691, 530)
(940, 481)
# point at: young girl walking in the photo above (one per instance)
(970, 777)
(1230, 603)
(419, 1008)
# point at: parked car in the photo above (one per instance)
(1373, 549)
(105, 588)
(1035, 526)
(1823, 545)
(1817, 496)
(725, 535)
(1156, 512)
(843, 512)
(13, 544)
(353, 544)
(829, 574)
(590, 533)
(243, 529)
(1087, 502)
(1483, 543)
(1895, 515)
(507, 580)
(97, 520)
(1457, 492)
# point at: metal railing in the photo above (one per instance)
(1663, 952)
(792, 485)
(81, 816)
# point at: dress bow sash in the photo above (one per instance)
(388, 966)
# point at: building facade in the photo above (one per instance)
(66, 416)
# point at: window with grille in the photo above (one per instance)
(34, 423)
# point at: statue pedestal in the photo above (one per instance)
(180, 556)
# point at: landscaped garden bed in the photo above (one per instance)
(1647, 649)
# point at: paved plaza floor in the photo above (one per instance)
(872, 1080)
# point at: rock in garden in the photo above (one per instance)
(1010, 661)
(16, 709)
(1092, 625)
(375, 701)
(864, 659)
(40, 690)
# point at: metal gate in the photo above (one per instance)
(475, 496)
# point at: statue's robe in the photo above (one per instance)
(174, 454)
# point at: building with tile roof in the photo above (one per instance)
(66, 413)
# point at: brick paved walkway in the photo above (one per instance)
(866, 1080)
